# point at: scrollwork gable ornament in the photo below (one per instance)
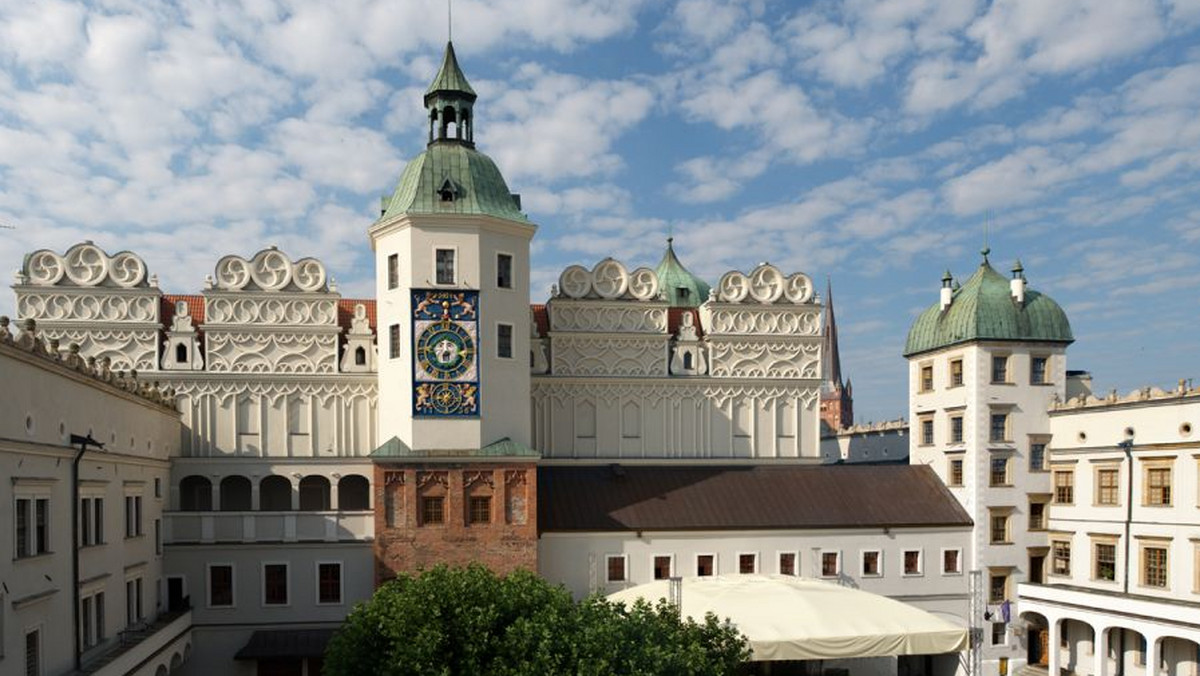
(85, 265)
(270, 270)
(765, 285)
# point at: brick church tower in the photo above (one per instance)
(455, 480)
(837, 397)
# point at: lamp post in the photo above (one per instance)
(84, 443)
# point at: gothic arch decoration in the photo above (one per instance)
(270, 270)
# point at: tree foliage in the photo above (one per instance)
(470, 621)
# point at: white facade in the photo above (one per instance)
(870, 442)
(121, 488)
(978, 417)
(1122, 592)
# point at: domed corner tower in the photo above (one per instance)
(985, 364)
(455, 479)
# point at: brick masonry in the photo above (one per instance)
(506, 542)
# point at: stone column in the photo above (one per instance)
(1100, 652)
(1054, 656)
(215, 487)
(1153, 646)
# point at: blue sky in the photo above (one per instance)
(865, 141)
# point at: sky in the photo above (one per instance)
(870, 143)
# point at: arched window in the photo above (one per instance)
(354, 493)
(275, 494)
(235, 494)
(687, 360)
(360, 356)
(314, 493)
(181, 354)
(195, 494)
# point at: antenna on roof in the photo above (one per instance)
(449, 21)
(987, 221)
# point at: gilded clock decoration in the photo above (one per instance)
(445, 333)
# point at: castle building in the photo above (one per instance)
(986, 362)
(329, 444)
(1121, 593)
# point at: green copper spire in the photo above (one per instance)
(450, 78)
(680, 287)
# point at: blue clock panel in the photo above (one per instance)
(445, 330)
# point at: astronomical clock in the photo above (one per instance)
(445, 353)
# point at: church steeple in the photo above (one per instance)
(833, 361)
(448, 101)
(837, 398)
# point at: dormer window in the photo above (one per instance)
(682, 293)
(181, 355)
(448, 192)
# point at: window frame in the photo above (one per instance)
(1006, 478)
(341, 582)
(1056, 489)
(920, 570)
(35, 495)
(1165, 496)
(1097, 543)
(287, 584)
(208, 584)
(696, 562)
(393, 271)
(754, 560)
(474, 499)
(654, 566)
(957, 433)
(1045, 373)
(1113, 497)
(837, 563)
(1042, 520)
(862, 562)
(393, 341)
(1006, 376)
(960, 380)
(925, 382)
(1006, 434)
(1004, 513)
(779, 554)
(608, 560)
(955, 465)
(512, 340)
(958, 552)
(999, 574)
(925, 427)
(1060, 552)
(501, 255)
(1144, 548)
(425, 501)
(437, 249)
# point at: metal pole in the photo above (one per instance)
(1127, 446)
(83, 442)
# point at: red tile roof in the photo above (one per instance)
(195, 308)
(346, 311)
(542, 318)
(675, 318)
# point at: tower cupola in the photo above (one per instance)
(449, 101)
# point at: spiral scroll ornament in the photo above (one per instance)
(45, 268)
(233, 273)
(643, 284)
(271, 270)
(766, 284)
(610, 279)
(87, 265)
(733, 287)
(575, 281)
(799, 288)
(126, 270)
(309, 274)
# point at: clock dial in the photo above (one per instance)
(445, 332)
(445, 350)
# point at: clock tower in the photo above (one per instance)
(455, 479)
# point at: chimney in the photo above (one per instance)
(947, 292)
(1018, 283)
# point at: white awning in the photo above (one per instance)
(789, 618)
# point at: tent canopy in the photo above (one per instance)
(789, 618)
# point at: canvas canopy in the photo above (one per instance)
(789, 618)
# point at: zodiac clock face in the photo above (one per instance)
(445, 332)
(445, 350)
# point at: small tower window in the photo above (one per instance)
(504, 271)
(360, 356)
(444, 266)
(683, 293)
(181, 355)
(448, 191)
(687, 360)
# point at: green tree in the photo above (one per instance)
(469, 621)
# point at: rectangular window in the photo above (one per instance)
(479, 509)
(951, 561)
(24, 541)
(1000, 369)
(504, 341)
(706, 565)
(31, 530)
(787, 563)
(927, 378)
(998, 632)
(999, 427)
(1107, 486)
(1064, 487)
(157, 487)
(926, 431)
(956, 372)
(1037, 515)
(91, 521)
(33, 653)
(504, 270)
(1106, 561)
(433, 510)
(1154, 567)
(912, 562)
(329, 583)
(956, 472)
(831, 564)
(275, 584)
(747, 564)
(1037, 457)
(1037, 371)
(41, 525)
(998, 476)
(997, 587)
(220, 585)
(1158, 486)
(133, 516)
(133, 601)
(1060, 554)
(445, 266)
(662, 566)
(956, 429)
(393, 271)
(1000, 529)
(870, 564)
(615, 568)
(394, 341)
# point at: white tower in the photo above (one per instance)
(452, 263)
(985, 364)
